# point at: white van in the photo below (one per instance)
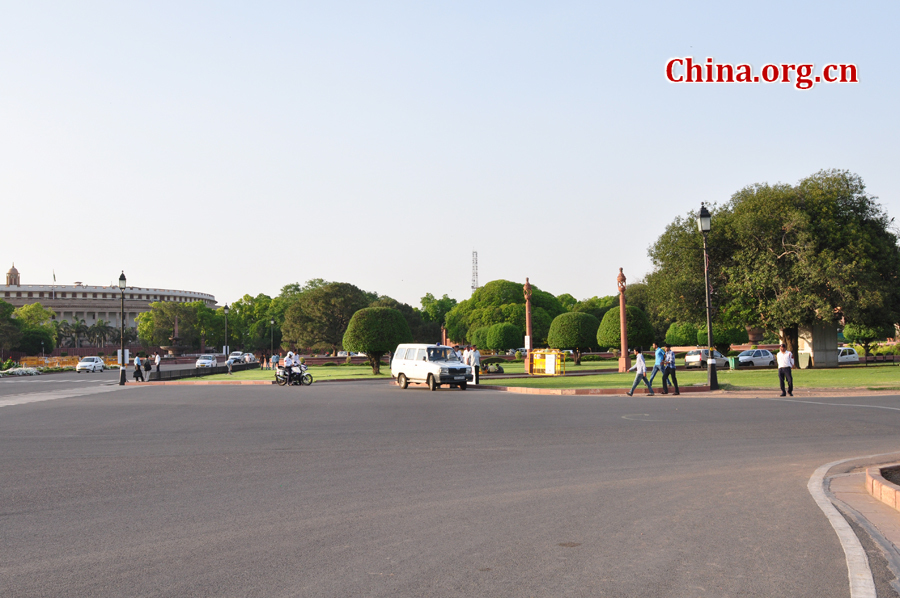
(429, 364)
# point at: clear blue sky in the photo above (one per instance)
(236, 147)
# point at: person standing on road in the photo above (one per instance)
(640, 367)
(157, 359)
(659, 356)
(475, 358)
(669, 370)
(274, 361)
(785, 363)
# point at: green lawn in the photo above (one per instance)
(872, 377)
(363, 372)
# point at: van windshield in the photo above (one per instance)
(441, 354)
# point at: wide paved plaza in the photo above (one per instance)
(363, 489)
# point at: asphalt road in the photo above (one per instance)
(354, 489)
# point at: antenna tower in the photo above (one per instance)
(474, 271)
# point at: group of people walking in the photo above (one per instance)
(144, 365)
(664, 362)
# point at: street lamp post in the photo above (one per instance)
(122, 364)
(271, 337)
(225, 309)
(704, 223)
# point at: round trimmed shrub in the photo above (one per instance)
(681, 334)
(504, 336)
(375, 331)
(640, 332)
(573, 330)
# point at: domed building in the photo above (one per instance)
(90, 303)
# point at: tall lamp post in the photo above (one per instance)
(271, 336)
(122, 364)
(704, 223)
(225, 309)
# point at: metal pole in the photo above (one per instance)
(711, 376)
(122, 341)
(226, 335)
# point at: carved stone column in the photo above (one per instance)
(625, 357)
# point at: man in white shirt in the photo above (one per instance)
(785, 363)
(465, 355)
(289, 365)
(138, 372)
(640, 367)
(475, 358)
(156, 360)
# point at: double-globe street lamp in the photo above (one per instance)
(122, 364)
(704, 223)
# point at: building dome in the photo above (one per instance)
(12, 277)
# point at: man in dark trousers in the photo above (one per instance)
(669, 370)
(785, 364)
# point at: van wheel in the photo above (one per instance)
(463, 385)
(432, 385)
(402, 382)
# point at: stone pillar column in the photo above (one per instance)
(529, 335)
(625, 357)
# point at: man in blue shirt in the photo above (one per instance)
(659, 357)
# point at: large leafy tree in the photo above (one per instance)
(10, 332)
(783, 256)
(503, 336)
(503, 301)
(596, 306)
(866, 335)
(423, 328)
(375, 331)
(436, 310)
(319, 317)
(574, 330)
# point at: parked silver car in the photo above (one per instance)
(848, 355)
(697, 358)
(756, 358)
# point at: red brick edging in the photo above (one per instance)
(882, 489)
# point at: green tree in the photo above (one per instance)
(597, 306)
(866, 335)
(73, 331)
(567, 301)
(100, 332)
(319, 317)
(503, 301)
(574, 330)
(31, 339)
(784, 256)
(640, 332)
(423, 329)
(723, 337)
(375, 331)
(682, 334)
(10, 332)
(503, 336)
(478, 336)
(34, 315)
(435, 310)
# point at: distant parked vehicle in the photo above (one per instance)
(697, 358)
(247, 358)
(755, 358)
(206, 361)
(848, 355)
(236, 355)
(90, 364)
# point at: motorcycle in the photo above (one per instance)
(300, 376)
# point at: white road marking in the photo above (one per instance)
(860, 575)
(829, 404)
(34, 397)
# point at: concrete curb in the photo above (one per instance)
(571, 391)
(881, 489)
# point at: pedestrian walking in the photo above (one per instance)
(785, 364)
(640, 367)
(138, 374)
(157, 359)
(659, 356)
(669, 370)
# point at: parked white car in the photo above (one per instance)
(429, 364)
(90, 364)
(756, 358)
(848, 355)
(206, 361)
(697, 358)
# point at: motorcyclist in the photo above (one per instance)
(289, 366)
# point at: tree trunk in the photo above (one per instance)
(791, 337)
(375, 362)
